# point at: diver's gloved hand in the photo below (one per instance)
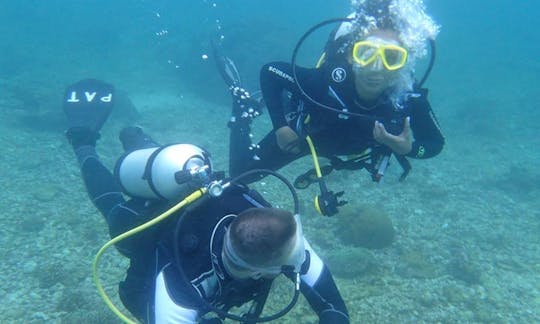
(244, 106)
(327, 202)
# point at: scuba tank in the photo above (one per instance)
(164, 172)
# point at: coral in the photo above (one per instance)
(366, 226)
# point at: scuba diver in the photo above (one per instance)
(223, 250)
(358, 107)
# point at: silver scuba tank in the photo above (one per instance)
(168, 172)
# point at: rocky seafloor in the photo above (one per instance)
(465, 249)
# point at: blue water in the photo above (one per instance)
(479, 197)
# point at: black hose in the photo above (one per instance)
(430, 65)
(337, 110)
(295, 77)
(277, 175)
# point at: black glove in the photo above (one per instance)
(328, 202)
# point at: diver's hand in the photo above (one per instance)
(400, 144)
(288, 140)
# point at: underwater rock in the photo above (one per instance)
(45, 193)
(30, 223)
(366, 226)
(351, 262)
(71, 301)
(56, 272)
(461, 266)
(427, 299)
(465, 271)
(453, 294)
(416, 265)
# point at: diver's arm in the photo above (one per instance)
(428, 139)
(320, 290)
(275, 77)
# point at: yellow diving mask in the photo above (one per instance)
(392, 56)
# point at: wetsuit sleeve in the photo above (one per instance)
(428, 139)
(277, 77)
(320, 290)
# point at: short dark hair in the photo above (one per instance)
(259, 235)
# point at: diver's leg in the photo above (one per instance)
(266, 154)
(102, 187)
(243, 154)
(134, 138)
(87, 105)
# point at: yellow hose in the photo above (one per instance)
(188, 200)
(314, 156)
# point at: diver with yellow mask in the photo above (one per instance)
(199, 244)
(359, 107)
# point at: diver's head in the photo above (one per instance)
(381, 43)
(376, 62)
(260, 242)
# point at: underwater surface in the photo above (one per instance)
(465, 239)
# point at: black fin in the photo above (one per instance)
(88, 103)
(226, 66)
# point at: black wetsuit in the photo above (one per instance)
(333, 134)
(152, 261)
